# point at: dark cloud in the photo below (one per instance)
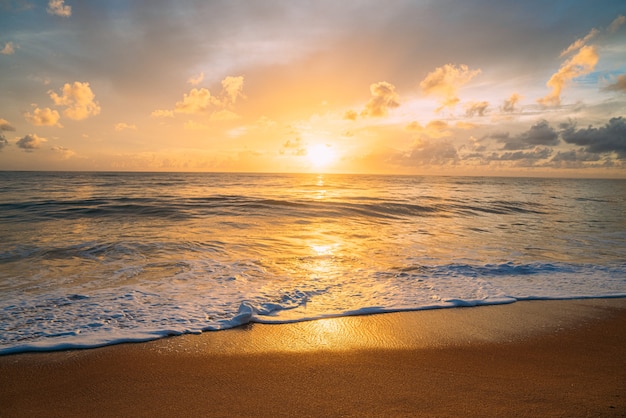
(431, 152)
(3, 141)
(608, 138)
(574, 156)
(538, 153)
(5, 125)
(540, 134)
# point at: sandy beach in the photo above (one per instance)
(535, 358)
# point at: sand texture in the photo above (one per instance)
(539, 358)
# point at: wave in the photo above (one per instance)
(186, 303)
(234, 205)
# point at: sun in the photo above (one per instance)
(321, 155)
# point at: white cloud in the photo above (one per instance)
(59, 8)
(195, 80)
(9, 49)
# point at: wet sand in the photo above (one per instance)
(536, 358)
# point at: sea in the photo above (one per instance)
(92, 259)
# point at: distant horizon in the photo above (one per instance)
(522, 89)
(562, 176)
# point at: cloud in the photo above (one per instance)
(476, 108)
(122, 126)
(433, 129)
(579, 43)
(162, 113)
(30, 142)
(571, 156)
(608, 138)
(78, 99)
(619, 85)
(3, 141)
(429, 152)
(445, 82)
(615, 24)
(233, 87)
(44, 117)
(196, 101)
(195, 80)
(465, 125)
(580, 64)
(9, 49)
(583, 62)
(191, 125)
(295, 147)
(224, 115)
(384, 97)
(350, 115)
(66, 153)
(58, 8)
(509, 104)
(5, 125)
(539, 134)
(538, 153)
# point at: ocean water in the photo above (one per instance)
(90, 259)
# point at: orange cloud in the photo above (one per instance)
(162, 113)
(233, 87)
(350, 115)
(579, 43)
(445, 82)
(476, 108)
(196, 101)
(580, 64)
(465, 125)
(433, 129)
(509, 104)
(78, 99)
(44, 117)
(384, 97)
(224, 115)
(122, 126)
(191, 125)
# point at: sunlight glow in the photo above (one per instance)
(321, 155)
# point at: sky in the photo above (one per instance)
(474, 87)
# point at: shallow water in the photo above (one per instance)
(90, 259)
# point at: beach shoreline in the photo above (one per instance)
(530, 358)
